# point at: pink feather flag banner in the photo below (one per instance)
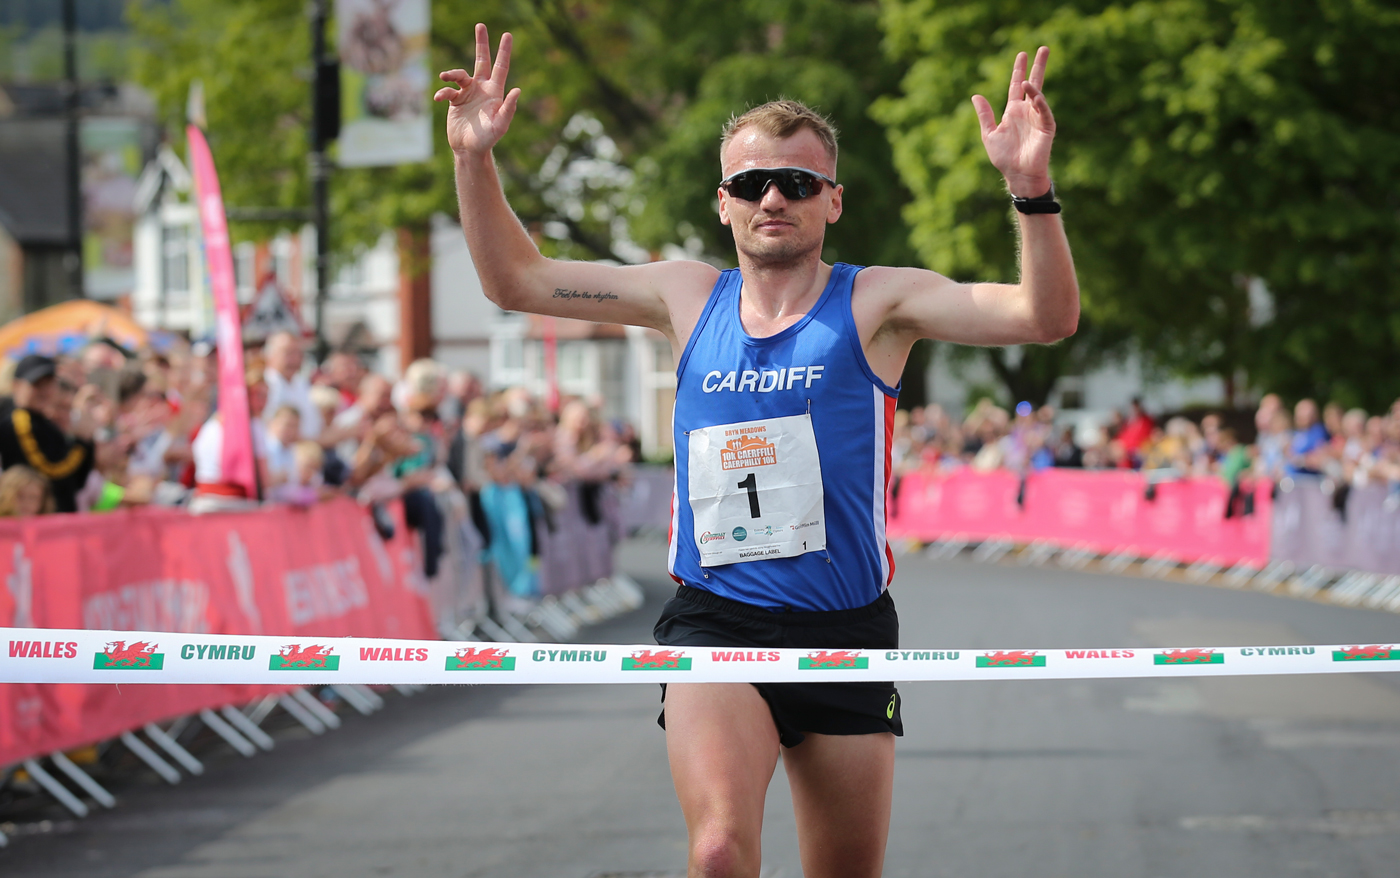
(237, 458)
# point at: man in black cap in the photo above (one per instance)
(28, 434)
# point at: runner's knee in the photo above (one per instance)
(723, 852)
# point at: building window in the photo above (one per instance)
(175, 261)
(512, 354)
(244, 258)
(571, 363)
(1071, 389)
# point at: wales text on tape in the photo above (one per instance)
(49, 655)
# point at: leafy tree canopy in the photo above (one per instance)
(608, 89)
(1204, 146)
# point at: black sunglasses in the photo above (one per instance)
(794, 183)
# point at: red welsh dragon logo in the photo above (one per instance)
(840, 659)
(137, 655)
(1188, 656)
(481, 659)
(294, 655)
(656, 660)
(1361, 653)
(1009, 658)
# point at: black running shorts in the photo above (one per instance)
(697, 618)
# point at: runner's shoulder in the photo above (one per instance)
(897, 281)
(882, 296)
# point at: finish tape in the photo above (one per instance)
(52, 655)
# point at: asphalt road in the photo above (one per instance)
(1234, 778)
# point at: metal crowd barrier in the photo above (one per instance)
(1338, 548)
(576, 583)
(578, 586)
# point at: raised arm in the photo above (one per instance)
(513, 272)
(910, 304)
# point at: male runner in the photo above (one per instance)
(786, 382)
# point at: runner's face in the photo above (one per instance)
(775, 230)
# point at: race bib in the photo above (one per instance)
(756, 490)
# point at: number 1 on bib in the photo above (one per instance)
(750, 484)
(731, 525)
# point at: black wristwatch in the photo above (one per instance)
(1040, 204)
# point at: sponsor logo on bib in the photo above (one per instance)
(707, 537)
(748, 451)
(740, 534)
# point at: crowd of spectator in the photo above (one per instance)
(1341, 447)
(109, 428)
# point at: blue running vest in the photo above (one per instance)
(852, 415)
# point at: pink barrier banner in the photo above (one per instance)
(237, 458)
(1103, 511)
(1358, 530)
(316, 573)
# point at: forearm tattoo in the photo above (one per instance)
(561, 293)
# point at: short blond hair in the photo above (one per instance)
(16, 479)
(782, 119)
(323, 397)
(425, 377)
(309, 453)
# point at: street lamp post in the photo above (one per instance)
(73, 262)
(325, 127)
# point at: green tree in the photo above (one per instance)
(1202, 144)
(253, 60)
(821, 52)
(614, 153)
(660, 78)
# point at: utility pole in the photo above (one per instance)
(73, 262)
(325, 127)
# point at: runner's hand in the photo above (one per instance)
(1020, 146)
(481, 109)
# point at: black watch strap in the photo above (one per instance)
(1040, 204)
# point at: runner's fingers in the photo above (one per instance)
(1018, 78)
(986, 118)
(507, 111)
(498, 73)
(454, 95)
(1037, 77)
(483, 52)
(1041, 105)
